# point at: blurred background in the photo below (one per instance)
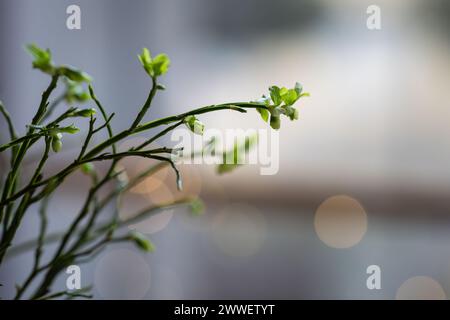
(364, 176)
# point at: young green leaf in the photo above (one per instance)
(42, 58)
(156, 66)
(289, 96)
(264, 114)
(160, 64)
(146, 60)
(275, 95)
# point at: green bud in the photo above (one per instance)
(56, 135)
(298, 88)
(194, 125)
(275, 122)
(87, 167)
(56, 144)
(142, 242)
(86, 113)
(70, 129)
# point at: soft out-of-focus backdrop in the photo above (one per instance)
(364, 174)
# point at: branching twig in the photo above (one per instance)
(85, 236)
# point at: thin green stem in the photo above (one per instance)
(146, 106)
(39, 249)
(10, 231)
(5, 113)
(52, 107)
(12, 130)
(240, 107)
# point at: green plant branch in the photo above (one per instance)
(126, 133)
(23, 247)
(104, 114)
(38, 251)
(70, 295)
(11, 178)
(10, 231)
(5, 113)
(52, 107)
(85, 236)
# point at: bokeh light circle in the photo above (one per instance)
(420, 288)
(340, 221)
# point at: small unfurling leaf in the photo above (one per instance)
(156, 66)
(161, 64)
(275, 95)
(264, 114)
(42, 58)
